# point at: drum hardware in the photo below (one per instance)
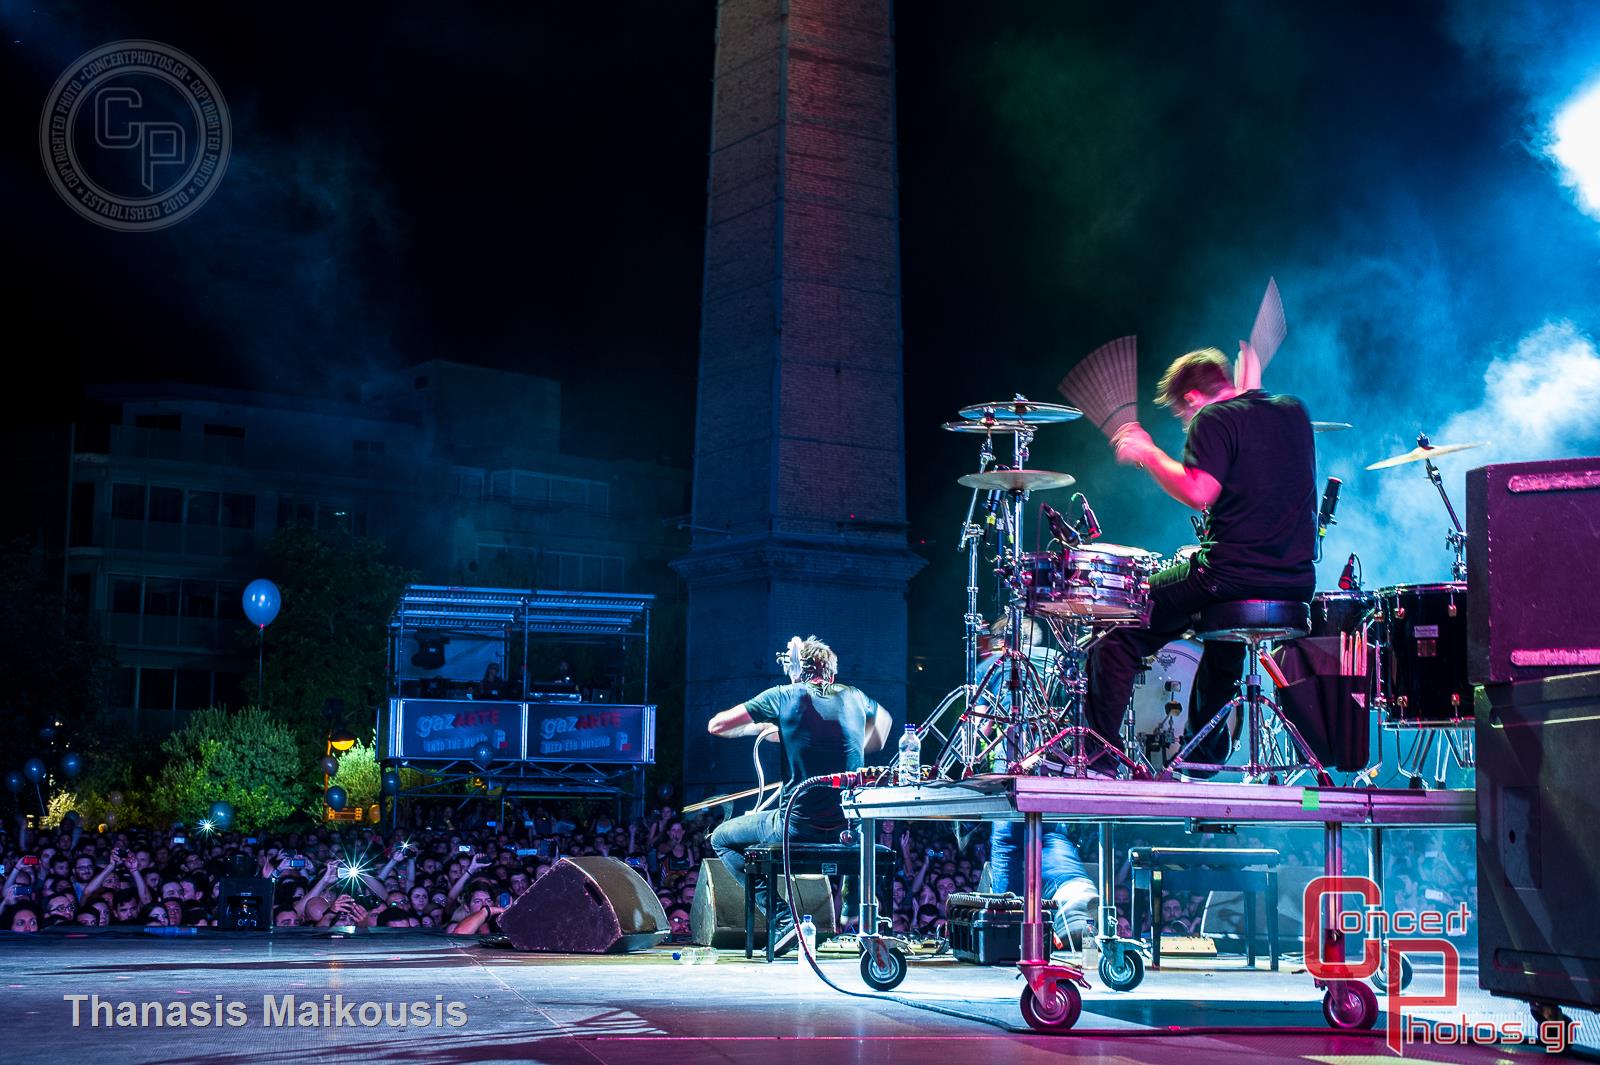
(977, 734)
(1425, 452)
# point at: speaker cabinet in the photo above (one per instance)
(1538, 853)
(586, 906)
(716, 919)
(1533, 569)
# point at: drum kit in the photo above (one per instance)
(1022, 710)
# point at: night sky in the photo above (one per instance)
(526, 189)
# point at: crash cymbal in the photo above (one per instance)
(983, 427)
(1025, 411)
(1017, 480)
(1330, 427)
(1417, 454)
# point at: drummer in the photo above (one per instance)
(1249, 462)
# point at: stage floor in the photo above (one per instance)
(637, 1008)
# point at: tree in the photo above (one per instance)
(360, 775)
(330, 639)
(53, 662)
(243, 757)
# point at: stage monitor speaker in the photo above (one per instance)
(717, 917)
(1538, 853)
(586, 906)
(1532, 569)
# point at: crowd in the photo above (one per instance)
(458, 878)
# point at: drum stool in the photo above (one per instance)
(1256, 623)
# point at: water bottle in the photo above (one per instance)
(808, 933)
(695, 956)
(908, 767)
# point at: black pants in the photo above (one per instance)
(1176, 594)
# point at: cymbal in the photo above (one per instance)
(1017, 480)
(983, 427)
(1330, 427)
(1025, 411)
(1417, 454)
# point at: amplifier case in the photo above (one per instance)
(1533, 569)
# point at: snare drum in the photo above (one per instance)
(1107, 582)
(1425, 633)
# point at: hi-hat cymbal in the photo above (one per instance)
(1417, 454)
(983, 427)
(1017, 480)
(1025, 411)
(1330, 427)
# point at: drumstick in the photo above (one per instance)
(1271, 666)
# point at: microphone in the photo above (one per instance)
(1330, 500)
(1347, 579)
(1091, 525)
(989, 507)
(1060, 528)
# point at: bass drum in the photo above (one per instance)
(1160, 706)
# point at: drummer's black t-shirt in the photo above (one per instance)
(1261, 531)
(822, 729)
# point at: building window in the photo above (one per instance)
(161, 597)
(370, 447)
(124, 685)
(83, 514)
(170, 423)
(194, 689)
(238, 511)
(127, 502)
(155, 689)
(230, 602)
(469, 482)
(125, 595)
(199, 599)
(203, 508)
(234, 431)
(166, 504)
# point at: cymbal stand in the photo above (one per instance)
(1456, 538)
(971, 541)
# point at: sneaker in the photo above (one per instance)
(785, 936)
(1077, 909)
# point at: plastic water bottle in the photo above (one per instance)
(808, 933)
(695, 956)
(908, 767)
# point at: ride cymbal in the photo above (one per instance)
(1417, 454)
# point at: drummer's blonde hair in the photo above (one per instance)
(1206, 370)
(818, 660)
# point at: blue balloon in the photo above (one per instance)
(33, 769)
(13, 782)
(261, 602)
(221, 815)
(72, 764)
(391, 783)
(335, 798)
